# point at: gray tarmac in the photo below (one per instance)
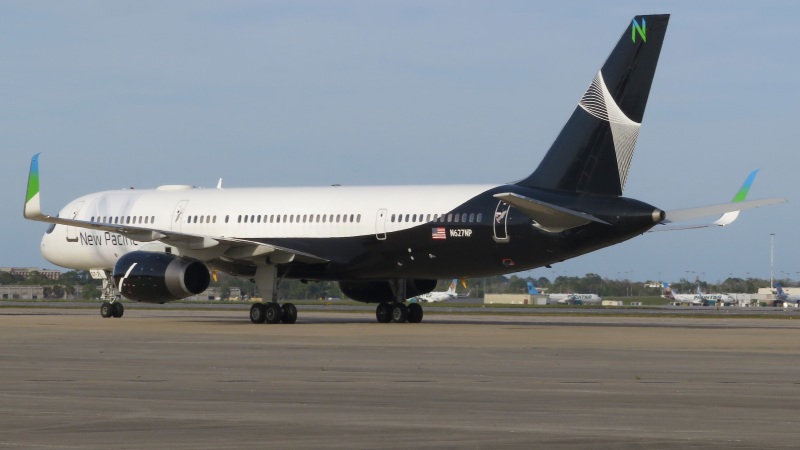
(203, 379)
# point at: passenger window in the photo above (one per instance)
(358, 218)
(480, 216)
(227, 217)
(464, 217)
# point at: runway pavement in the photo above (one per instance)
(210, 379)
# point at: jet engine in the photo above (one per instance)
(152, 277)
(381, 291)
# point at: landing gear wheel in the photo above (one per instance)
(399, 313)
(382, 313)
(289, 313)
(106, 310)
(257, 313)
(119, 310)
(273, 313)
(414, 313)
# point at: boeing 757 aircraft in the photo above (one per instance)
(382, 244)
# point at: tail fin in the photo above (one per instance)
(668, 291)
(532, 289)
(593, 152)
(452, 289)
(781, 294)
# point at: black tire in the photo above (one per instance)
(273, 313)
(399, 313)
(289, 313)
(106, 310)
(382, 313)
(415, 313)
(119, 310)
(257, 313)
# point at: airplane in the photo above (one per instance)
(382, 244)
(586, 299)
(784, 297)
(566, 298)
(713, 299)
(431, 297)
(692, 299)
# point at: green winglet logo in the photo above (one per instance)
(33, 179)
(742, 194)
(641, 30)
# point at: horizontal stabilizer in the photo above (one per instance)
(729, 213)
(681, 215)
(548, 217)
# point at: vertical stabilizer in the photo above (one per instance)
(593, 152)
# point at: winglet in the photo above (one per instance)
(33, 208)
(740, 196)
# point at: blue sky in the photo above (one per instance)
(119, 94)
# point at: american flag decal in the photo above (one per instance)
(438, 233)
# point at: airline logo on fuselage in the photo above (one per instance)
(641, 30)
(106, 238)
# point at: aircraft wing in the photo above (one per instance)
(233, 248)
(548, 217)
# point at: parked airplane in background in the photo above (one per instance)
(682, 298)
(713, 299)
(782, 296)
(566, 298)
(431, 297)
(384, 244)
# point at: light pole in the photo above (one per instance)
(771, 259)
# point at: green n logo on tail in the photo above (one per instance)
(640, 30)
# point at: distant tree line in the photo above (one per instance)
(74, 281)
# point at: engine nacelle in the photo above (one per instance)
(152, 277)
(381, 291)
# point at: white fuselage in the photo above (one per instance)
(568, 298)
(246, 213)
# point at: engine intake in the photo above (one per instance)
(159, 277)
(380, 291)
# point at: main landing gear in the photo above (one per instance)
(273, 313)
(397, 312)
(270, 312)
